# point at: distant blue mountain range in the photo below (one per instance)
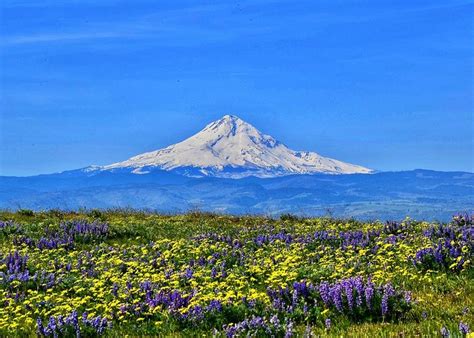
(420, 194)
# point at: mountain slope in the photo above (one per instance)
(231, 147)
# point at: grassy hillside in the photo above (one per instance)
(118, 272)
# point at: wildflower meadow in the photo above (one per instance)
(117, 273)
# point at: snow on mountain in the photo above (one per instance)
(231, 147)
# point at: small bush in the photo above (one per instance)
(26, 212)
(289, 217)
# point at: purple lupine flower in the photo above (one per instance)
(336, 296)
(444, 332)
(10, 225)
(188, 274)
(407, 296)
(301, 287)
(359, 286)
(388, 291)
(463, 328)
(347, 285)
(215, 305)
(74, 319)
(196, 313)
(202, 261)
(52, 323)
(256, 322)
(230, 331)
(327, 323)
(275, 321)
(294, 298)
(289, 329)
(324, 292)
(40, 328)
(213, 272)
(115, 289)
(369, 293)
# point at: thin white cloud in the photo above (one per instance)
(60, 37)
(54, 3)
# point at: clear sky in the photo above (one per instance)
(384, 84)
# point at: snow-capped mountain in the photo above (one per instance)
(233, 148)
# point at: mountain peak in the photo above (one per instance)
(231, 147)
(230, 118)
(229, 124)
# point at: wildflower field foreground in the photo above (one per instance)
(123, 273)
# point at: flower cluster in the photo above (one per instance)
(18, 271)
(463, 219)
(9, 227)
(463, 328)
(352, 296)
(67, 234)
(16, 267)
(259, 326)
(71, 325)
(84, 229)
(451, 248)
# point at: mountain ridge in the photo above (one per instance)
(421, 194)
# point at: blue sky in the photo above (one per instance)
(384, 84)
